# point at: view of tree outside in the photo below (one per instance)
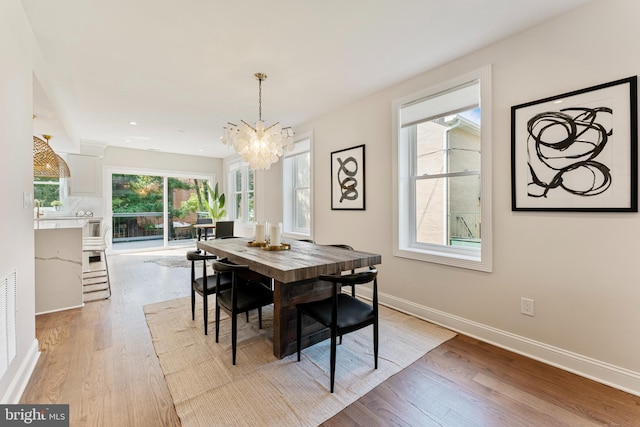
(138, 206)
(46, 190)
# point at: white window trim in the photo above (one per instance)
(290, 234)
(229, 200)
(401, 194)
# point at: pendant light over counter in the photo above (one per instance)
(46, 163)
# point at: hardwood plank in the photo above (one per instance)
(470, 383)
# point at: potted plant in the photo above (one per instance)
(56, 204)
(216, 207)
(200, 202)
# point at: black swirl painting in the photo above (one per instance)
(577, 151)
(347, 179)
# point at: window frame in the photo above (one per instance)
(289, 207)
(404, 232)
(60, 183)
(244, 192)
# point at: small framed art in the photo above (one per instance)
(348, 179)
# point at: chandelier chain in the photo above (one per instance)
(260, 98)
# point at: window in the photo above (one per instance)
(46, 190)
(296, 191)
(241, 204)
(442, 194)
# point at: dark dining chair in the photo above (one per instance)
(353, 286)
(224, 229)
(349, 248)
(248, 291)
(342, 313)
(205, 284)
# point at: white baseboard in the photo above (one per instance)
(20, 380)
(602, 372)
(60, 309)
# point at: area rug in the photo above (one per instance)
(261, 390)
(174, 261)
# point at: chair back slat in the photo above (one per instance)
(224, 229)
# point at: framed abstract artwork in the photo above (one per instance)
(347, 179)
(577, 151)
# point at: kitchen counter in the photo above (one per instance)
(49, 223)
(55, 217)
(58, 264)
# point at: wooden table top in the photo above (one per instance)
(204, 225)
(303, 261)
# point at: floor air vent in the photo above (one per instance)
(8, 331)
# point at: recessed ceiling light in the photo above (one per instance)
(133, 123)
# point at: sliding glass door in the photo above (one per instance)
(182, 208)
(153, 211)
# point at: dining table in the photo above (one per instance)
(294, 268)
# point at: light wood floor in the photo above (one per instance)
(100, 360)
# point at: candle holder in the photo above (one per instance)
(280, 247)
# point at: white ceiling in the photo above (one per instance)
(182, 69)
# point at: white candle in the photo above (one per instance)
(259, 233)
(275, 234)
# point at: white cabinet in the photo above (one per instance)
(85, 175)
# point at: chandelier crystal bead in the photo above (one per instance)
(258, 145)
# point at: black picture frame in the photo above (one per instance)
(578, 151)
(348, 179)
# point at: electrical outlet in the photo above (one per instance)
(526, 306)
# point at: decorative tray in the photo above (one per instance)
(255, 244)
(282, 247)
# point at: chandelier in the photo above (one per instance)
(46, 163)
(260, 147)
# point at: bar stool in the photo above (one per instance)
(95, 281)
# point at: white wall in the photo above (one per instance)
(16, 169)
(580, 268)
(153, 160)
